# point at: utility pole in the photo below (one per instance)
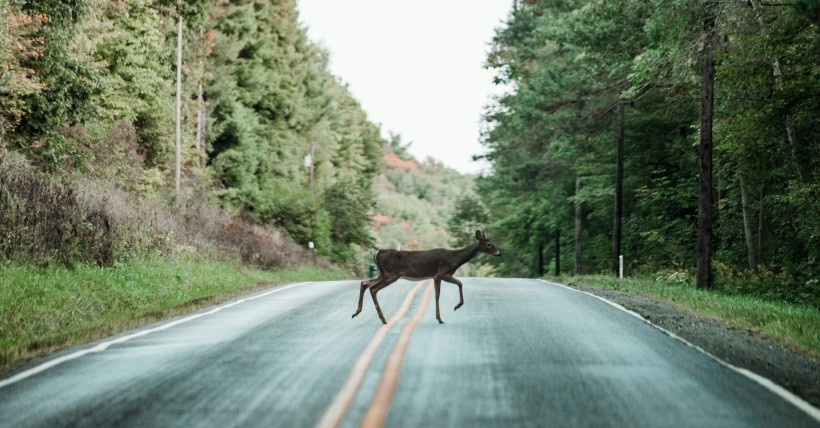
(309, 165)
(200, 128)
(619, 191)
(178, 107)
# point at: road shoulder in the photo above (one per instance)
(738, 346)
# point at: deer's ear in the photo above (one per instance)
(483, 234)
(477, 234)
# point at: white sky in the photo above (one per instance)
(416, 67)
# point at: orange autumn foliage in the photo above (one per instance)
(393, 161)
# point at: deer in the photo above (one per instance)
(439, 264)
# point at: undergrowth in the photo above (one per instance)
(48, 221)
(795, 324)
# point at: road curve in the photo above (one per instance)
(519, 353)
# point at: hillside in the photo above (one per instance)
(118, 210)
(256, 96)
(414, 201)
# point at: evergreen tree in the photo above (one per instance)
(571, 63)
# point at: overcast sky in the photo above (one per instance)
(416, 67)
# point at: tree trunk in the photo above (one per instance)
(200, 104)
(747, 223)
(760, 230)
(578, 224)
(718, 194)
(619, 191)
(557, 252)
(178, 149)
(778, 84)
(705, 188)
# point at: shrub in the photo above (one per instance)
(45, 222)
(766, 283)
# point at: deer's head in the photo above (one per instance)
(484, 244)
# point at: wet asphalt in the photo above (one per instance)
(519, 353)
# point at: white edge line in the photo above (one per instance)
(104, 345)
(767, 383)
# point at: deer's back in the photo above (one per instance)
(415, 265)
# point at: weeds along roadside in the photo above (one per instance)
(791, 323)
(48, 223)
(83, 260)
(46, 310)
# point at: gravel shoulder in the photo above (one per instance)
(740, 347)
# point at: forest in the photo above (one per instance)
(87, 125)
(681, 134)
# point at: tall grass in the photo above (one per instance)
(795, 324)
(46, 309)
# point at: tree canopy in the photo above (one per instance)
(569, 64)
(87, 87)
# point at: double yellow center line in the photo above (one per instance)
(377, 412)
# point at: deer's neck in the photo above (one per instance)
(465, 254)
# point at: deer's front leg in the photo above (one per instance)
(373, 292)
(437, 283)
(450, 279)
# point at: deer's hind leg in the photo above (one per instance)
(384, 282)
(364, 286)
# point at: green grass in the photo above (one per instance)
(45, 310)
(797, 326)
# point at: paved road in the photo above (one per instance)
(519, 353)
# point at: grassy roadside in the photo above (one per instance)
(45, 310)
(795, 325)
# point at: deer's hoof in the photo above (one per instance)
(456, 308)
(440, 322)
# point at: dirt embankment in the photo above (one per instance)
(738, 346)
